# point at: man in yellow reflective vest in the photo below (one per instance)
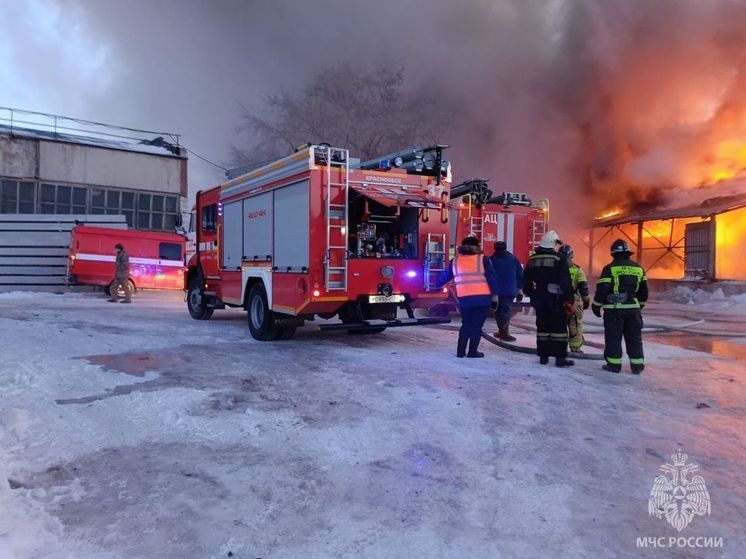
(622, 292)
(581, 303)
(474, 277)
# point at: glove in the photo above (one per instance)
(569, 308)
(597, 310)
(586, 304)
(519, 296)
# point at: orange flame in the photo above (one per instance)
(610, 213)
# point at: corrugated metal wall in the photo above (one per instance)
(34, 247)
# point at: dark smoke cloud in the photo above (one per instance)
(591, 103)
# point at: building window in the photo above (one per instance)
(79, 200)
(113, 202)
(128, 207)
(98, 201)
(46, 198)
(141, 210)
(64, 199)
(156, 212)
(17, 197)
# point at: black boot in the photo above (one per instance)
(564, 362)
(504, 332)
(637, 369)
(473, 345)
(543, 359)
(611, 368)
(461, 348)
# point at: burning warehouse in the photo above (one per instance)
(699, 241)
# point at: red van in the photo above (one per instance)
(156, 259)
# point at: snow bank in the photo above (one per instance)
(716, 299)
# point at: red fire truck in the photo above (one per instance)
(156, 258)
(511, 217)
(319, 234)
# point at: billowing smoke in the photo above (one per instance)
(594, 104)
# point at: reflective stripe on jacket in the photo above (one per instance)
(622, 285)
(468, 275)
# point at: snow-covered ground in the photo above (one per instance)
(133, 431)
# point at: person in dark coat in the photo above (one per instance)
(471, 272)
(622, 292)
(121, 276)
(546, 280)
(509, 274)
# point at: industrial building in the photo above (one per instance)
(701, 241)
(56, 171)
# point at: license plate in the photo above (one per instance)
(385, 298)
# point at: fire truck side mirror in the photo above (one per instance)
(179, 220)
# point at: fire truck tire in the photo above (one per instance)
(286, 333)
(262, 324)
(133, 289)
(197, 308)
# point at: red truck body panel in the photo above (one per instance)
(156, 259)
(519, 226)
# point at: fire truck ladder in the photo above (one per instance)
(475, 227)
(337, 231)
(435, 259)
(539, 226)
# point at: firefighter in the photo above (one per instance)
(622, 291)
(472, 273)
(121, 276)
(546, 280)
(509, 275)
(582, 300)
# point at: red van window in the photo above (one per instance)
(169, 251)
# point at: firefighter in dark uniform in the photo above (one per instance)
(546, 280)
(622, 292)
(474, 277)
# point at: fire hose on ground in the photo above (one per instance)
(650, 329)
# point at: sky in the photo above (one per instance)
(596, 103)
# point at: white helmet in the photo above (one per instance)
(550, 240)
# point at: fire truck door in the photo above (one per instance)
(170, 268)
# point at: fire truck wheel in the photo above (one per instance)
(195, 303)
(286, 333)
(120, 293)
(262, 324)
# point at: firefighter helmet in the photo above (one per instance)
(567, 252)
(620, 246)
(550, 240)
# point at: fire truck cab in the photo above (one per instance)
(318, 234)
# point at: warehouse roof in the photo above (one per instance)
(56, 128)
(155, 146)
(707, 208)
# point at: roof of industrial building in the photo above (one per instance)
(124, 144)
(706, 208)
